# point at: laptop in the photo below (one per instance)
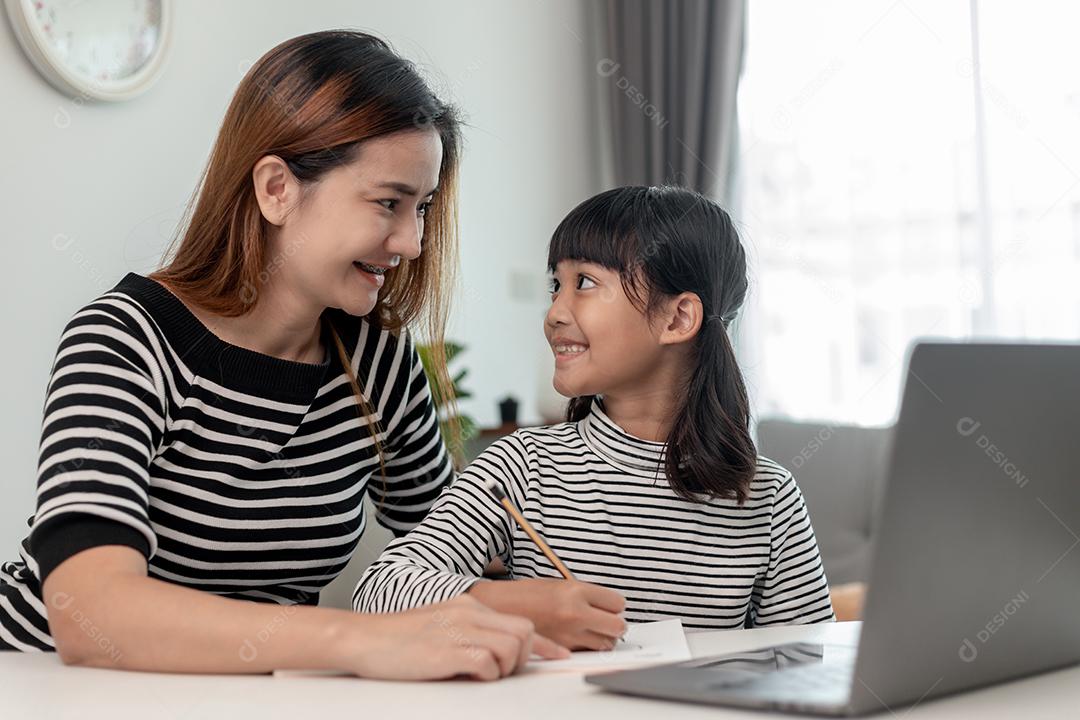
(975, 575)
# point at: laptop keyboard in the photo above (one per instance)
(804, 678)
(816, 677)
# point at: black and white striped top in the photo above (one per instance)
(600, 499)
(234, 472)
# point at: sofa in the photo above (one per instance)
(841, 472)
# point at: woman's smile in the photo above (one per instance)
(372, 273)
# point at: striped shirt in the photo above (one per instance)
(600, 499)
(233, 472)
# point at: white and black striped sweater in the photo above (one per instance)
(234, 472)
(600, 499)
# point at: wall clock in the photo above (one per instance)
(96, 49)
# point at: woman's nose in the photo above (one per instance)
(407, 239)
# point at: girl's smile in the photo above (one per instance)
(567, 350)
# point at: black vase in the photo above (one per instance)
(508, 411)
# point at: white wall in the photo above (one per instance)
(90, 192)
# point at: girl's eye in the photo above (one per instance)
(423, 209)
(582, 279)
(389, 204)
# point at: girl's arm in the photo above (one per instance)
(448, 551)
(104, 611)
(446, 554)
(793, 589)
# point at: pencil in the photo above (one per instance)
(497, 491)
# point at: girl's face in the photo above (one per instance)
(602, 343)
(358, 221)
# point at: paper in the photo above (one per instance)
(645, 644)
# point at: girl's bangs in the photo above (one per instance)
(602, 230)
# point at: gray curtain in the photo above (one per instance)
(669, 71)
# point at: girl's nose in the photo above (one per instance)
(558, 313)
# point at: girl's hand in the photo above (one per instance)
(458, 637)
(577, 615)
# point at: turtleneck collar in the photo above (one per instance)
(629, 454)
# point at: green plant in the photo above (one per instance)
(446, 406)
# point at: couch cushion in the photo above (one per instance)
(840, 469)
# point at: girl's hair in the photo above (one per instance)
(312, 101)
(664, 241)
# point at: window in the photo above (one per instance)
(908, 169)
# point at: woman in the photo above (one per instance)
(210, 431)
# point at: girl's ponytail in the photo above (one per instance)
(710, 451)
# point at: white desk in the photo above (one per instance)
(39, 686)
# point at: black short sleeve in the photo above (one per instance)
(57, 539)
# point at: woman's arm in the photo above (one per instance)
(104, 611)
(104, 418)
(418, 466)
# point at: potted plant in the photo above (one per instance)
(457, 428)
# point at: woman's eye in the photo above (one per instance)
(389, 204)
(582, 279)
(423, 209)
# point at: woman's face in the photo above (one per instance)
(603, 343)
(358, 221)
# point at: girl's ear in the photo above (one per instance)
(276, 189)
(681, 319)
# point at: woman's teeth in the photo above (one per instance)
(373, 269)
(570, 349)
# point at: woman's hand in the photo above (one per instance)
(577, 615)
(458, 637)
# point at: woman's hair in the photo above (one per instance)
(664, 241)
(312, 101)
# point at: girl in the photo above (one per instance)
(652, 493)
(211, 430)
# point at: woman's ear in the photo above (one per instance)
(276, 188)
(682, 319)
